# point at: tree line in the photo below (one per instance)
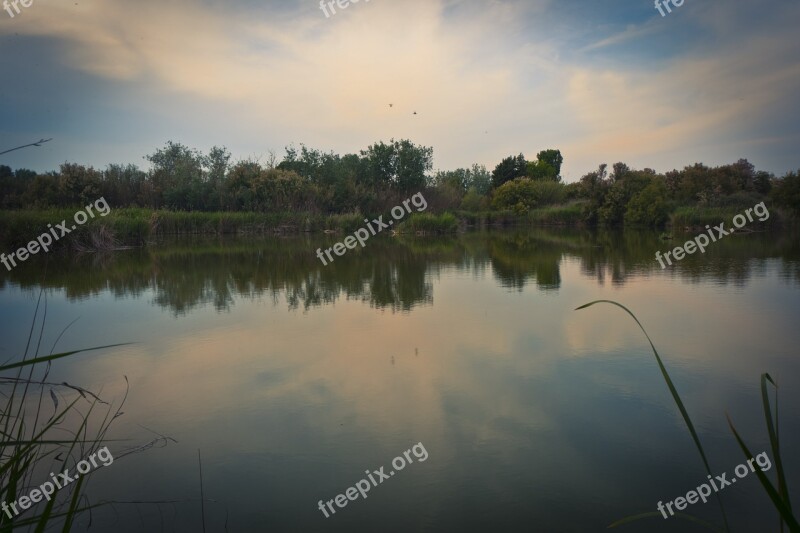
(373, 180)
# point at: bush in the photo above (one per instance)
(571, 215)
(523, 194)
(649, 207)
(474, 202)
(549, 192)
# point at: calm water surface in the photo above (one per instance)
(293, 378)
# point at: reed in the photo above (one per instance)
(779, 496)
(32, 444)
(429, 223)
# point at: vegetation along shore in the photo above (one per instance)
(189, 192)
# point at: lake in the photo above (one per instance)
(293, 378)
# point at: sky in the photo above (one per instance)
(111, 81)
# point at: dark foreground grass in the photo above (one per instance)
(33, 444)
(779, 496)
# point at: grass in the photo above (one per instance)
(557, 215)
(779, 497)
(429, 223)
(699, 217)
(32, 445)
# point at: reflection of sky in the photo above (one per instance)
(112, 81)
(529, 409)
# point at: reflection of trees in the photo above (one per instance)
(519, 257)
(389, 273)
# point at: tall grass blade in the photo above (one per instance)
(46, 358)
(673, 391)
(774, 438)
(780, 504)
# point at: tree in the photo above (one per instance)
(479, 179)
(78, 184)
(123, 185)
(400, 164)
(762, 182)
(552, 158)
(216, 163)
(509, 169)
(786, 192)
(541, 171)
(177, 177)
(620, 170)
(594, 186)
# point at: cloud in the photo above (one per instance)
(486, 79)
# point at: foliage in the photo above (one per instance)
(519, 195)
(374, 180)
(786, 192)
(562, 215)
(400, 164)
(473, 201)
(649, 207)
(553, 159)
(509, 169)
(430, 223)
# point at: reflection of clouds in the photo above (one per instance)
(710, 338)
(259, 356)
(510, 390)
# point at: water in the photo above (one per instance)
(293, 378)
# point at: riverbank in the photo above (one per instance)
(135, 226)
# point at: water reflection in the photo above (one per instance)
(390, 273)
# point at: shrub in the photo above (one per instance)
(523, 194)
(649, 207)
(474, 202)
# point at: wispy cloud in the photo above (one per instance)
(486, 79)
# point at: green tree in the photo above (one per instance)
(177, 177)
(541, 171)
(786, 192)
(479, 179)
(509, 169)
(401, 165)
(123, 185)
(553, 159)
